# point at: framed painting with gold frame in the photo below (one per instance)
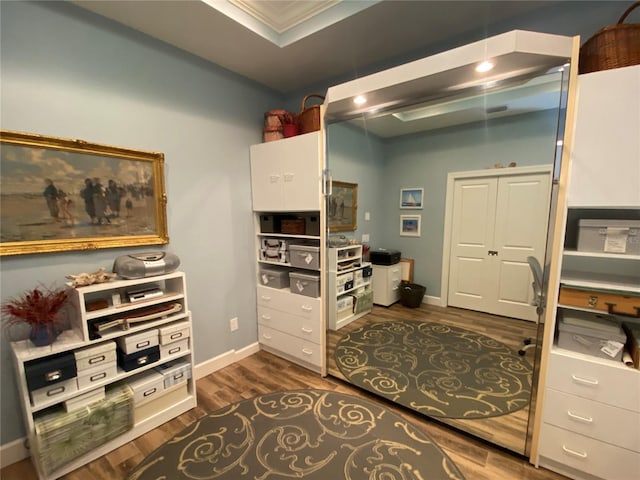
(342, 207)
(62, 195)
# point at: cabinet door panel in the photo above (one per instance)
(301, 173)
(266, 179)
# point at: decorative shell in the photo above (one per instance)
(83, 279)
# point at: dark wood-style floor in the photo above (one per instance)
(263, 373)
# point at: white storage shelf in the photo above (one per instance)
(114, 293)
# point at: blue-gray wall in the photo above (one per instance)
(69, 73)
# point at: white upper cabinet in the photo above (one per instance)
(605, 162)
(286, 175)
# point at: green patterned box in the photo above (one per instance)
(62, 437)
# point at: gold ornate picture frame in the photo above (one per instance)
(342, 207)
(61, 195)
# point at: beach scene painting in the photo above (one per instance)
(411, 197)
(410, 225)
(60, 195)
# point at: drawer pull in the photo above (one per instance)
(584, 381)
(307, 308)
(143, 344)
(268, 337)
(574, 453)
(97, 376)
(306, 351)
(97, 359)
(175, 335)
(579, 417)
(174, 350)
(53, 376)
(150, 392)
(142, 360)
(307, 330)
(178, 376)
(266, 317)
(55, 391)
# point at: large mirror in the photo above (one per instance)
(455, 171)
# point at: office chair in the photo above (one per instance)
(538, 298)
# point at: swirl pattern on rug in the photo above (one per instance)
(439, 370)
(311, 434)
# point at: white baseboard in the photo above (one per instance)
(232, 356)
(429, 300)
(16, 451)
(13, 452)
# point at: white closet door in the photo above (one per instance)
(522, 211)
(474, 208)
(497, 223)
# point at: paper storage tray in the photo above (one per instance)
(609, 236)
(47, 371)
(139, 341)
(175, 372)
(275, 278)
(307, 284)
(91, 357)
(61, 437)
(590, 333)
(174, 332)
(304, 256)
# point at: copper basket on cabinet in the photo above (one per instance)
(613, 46)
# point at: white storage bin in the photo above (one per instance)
(146, 386)
(274, 278)
(344, 303)
(92, 357)
(174, 348)
(609, 236)
(307, 284)
(304, 256)
(139, 341)
(175, 372)
(84, 399)
(97, 374)
(174, 332)
(591, 333)
(45, 394)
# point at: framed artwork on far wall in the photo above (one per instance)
(410, 225)
(342, 207)
(411, 197)
(60, 195)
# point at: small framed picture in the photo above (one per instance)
(410, 225)
(411, 197)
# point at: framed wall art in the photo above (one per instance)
(411, 197)
(63, 195)
(342, 207)
(410, 225)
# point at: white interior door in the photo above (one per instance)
(497, 223)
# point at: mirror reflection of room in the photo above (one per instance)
(433, 306)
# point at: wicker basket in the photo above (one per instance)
(309, 118)
(613, 46)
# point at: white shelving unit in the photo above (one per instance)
(591, 405)
(286, 179)
(346, 282)
(114, 303)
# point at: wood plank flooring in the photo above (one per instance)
(508, 431)
(263, 373)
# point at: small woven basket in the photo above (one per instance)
(309, 117)
(613, 46)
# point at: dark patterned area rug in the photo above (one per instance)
(436, 369)
(311, 434)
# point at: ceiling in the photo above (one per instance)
(293, 45)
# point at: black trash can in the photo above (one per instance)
(411, 294)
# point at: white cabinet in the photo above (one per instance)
(349, 286)
(605, 166)
(386, 284)
(286, 175)
(104, 321)
(286, 179)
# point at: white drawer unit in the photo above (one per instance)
(599, 380)
(299, 305)
(386, 284)
(585, 457)
(293, 348)
(303, 328)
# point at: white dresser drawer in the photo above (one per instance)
(588, 455)
(592, 419)
(595, 379)
(303, 328)
(292, 346)
(285, 301)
